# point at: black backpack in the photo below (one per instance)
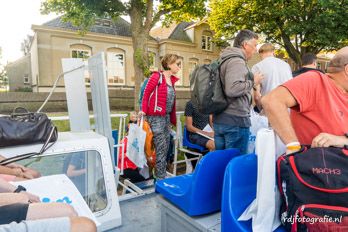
(314, 186)
(207, 91)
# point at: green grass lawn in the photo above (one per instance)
(63, 125)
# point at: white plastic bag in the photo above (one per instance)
(136, 144)
(264, 210)
(257, 122)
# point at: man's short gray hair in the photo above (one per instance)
(339, 61)
(243, 36)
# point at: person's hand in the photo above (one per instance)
(17, 172)
(32, 198)
(258, 77)
(141, 113)
(327, 140)
(210, 134)
(14, 165)
(22, 174)
(27, 175)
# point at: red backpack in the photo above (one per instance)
(314, 187)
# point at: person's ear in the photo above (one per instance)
(346, 69)
(244, 44)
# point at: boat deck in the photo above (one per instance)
(143, 214)
(140, 214)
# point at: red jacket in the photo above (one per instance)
(155, 99)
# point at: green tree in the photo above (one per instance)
(144, 14)
(299, 26)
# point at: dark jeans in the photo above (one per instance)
(227, 136)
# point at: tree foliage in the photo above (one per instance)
(299, 26)
(144, 14)
(25, 45)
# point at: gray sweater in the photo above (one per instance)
(238, 85)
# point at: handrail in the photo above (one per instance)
(121, 132)
(61, 118)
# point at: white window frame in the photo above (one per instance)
(192, 64)
(26, 79)
(207, 43)
(85, 58)
(111, 80)
(180, 74)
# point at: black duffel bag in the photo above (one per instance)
(314, 186)
(24, 127)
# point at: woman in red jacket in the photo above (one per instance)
(159, 106)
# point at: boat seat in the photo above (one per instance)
(200, 192)
(186, 142)
(239, 190)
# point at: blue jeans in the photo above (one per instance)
(227, 136)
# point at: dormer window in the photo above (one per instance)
(207, 43)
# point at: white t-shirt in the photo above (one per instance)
(275, 71)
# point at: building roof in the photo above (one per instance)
(118, 27)
(174, 32)
(121, 27)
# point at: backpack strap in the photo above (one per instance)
(229, 57)
(156, 89)
(223, 61)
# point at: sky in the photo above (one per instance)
(16, 18)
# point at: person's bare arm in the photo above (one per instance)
(6, 187)
(275, 105)
(257, 96)
(12, 198)
(72, 171)
(191, 128)
(11, 171)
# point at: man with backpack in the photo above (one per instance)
(231, 126)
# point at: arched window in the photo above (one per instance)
(82, 51)
(179, 75)
(207, 43)
(193, 62)
(115, 61)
